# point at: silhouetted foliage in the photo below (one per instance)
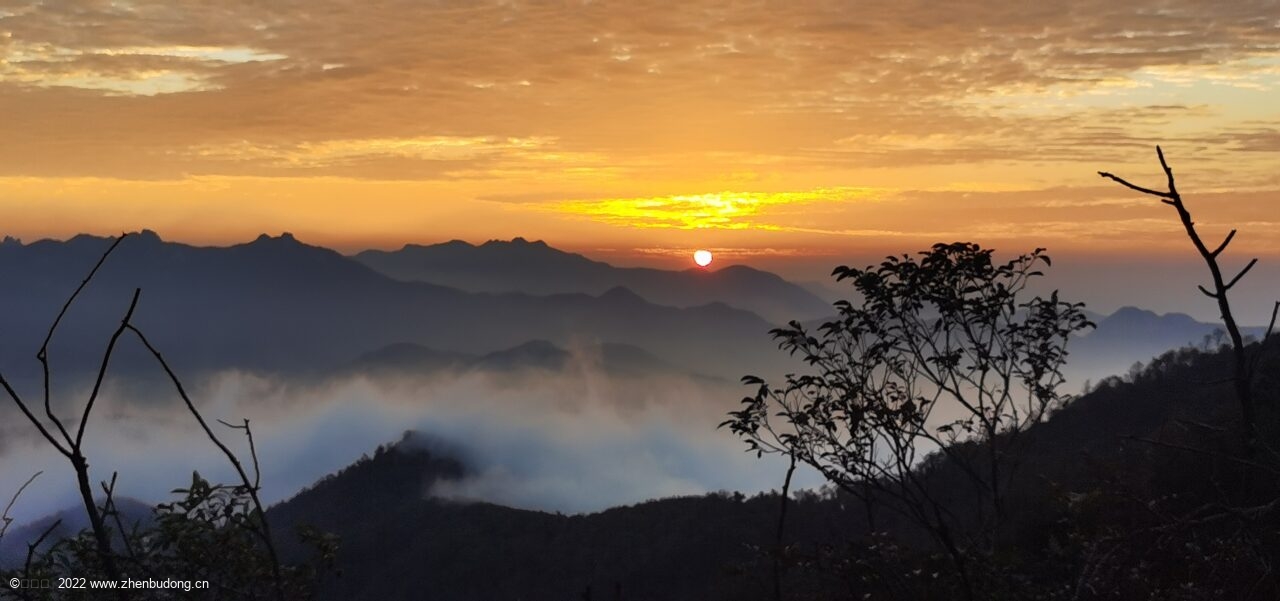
(949, 331)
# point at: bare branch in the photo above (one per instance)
(4, 517)
(1168, 198)
(1223, 246)
(31, 547)
(1173, 188)
(1241, 274)
(253, 451)
(102, 368)
(231, 457)
(13, 394)
(43, 354)
(109, 508)
(1243, 368)
(1272, 326)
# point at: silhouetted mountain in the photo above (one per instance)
(397, 542)
(276, 304)
(687, 548)
(63, 524)
(1132, 335)
(409, 357)
(536, 268)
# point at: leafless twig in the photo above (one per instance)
(4, 517)
(1243, 374)
(250, 486)
(71, 447)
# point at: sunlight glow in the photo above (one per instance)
(722, 210)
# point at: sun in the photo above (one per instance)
(702, 258)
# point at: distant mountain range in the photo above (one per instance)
(536, 268)
(1132, 335)
(278, 305)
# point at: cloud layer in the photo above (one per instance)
(572, 442)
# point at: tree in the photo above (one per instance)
(940, 356)
(224, 526)
(1244, 366)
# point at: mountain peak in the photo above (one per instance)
(10, 241)
(284, 237)
(739, 268)
(518, 241)
(147, 235)
(1131, 311)
(622, 294)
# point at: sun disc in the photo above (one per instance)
(702, 258)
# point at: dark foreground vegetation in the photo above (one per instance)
(1128, 492)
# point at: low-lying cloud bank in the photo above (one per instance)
(573, 441)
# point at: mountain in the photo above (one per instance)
(1131, 335)
(399, 542)
(1081, 470)
(536, 268)
(278, 305)
(64, 524)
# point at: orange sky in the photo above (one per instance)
(641, 128)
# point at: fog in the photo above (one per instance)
(580, 440)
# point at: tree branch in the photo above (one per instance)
(13, 394)
(1246, 269)
(1223, 246)
(1243, 369)
(31, 547)
(231, 457)
(102, 369)
(253, 451)
(43, 354)
(4, 517)
(1168, 199)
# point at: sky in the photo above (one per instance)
(790, 134)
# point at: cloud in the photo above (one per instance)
(575, 441)
(630, 79)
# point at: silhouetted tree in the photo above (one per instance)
(214, 525)
(949, 332)
(1244, 366)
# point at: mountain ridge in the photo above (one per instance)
(538, 268)
(278, 304)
